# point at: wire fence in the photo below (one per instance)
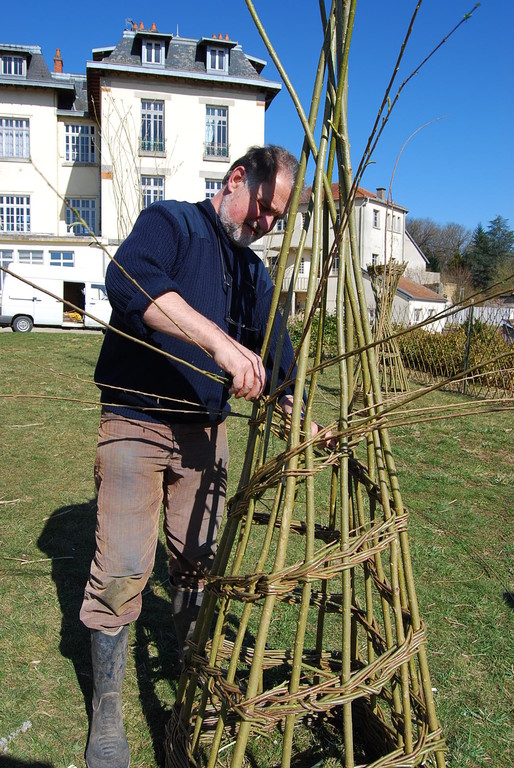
(472, 352)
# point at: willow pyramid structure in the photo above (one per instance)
(310, 643)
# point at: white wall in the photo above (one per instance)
(183, 166)
(39, 175)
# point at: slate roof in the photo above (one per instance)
(38, 75)
(185, 59)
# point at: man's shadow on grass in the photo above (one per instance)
(68, 538)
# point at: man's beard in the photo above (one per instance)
(236, 233)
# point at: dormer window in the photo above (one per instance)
(217, 59)
(15, 66)
(153, 52)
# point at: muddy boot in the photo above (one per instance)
(107, 745)
(185, 604)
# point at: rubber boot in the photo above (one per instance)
(185, 605)
(107, 744)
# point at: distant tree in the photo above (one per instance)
(479, 259)
(424, 234)
(453, 241)
(440, 243)
(490, 255)
(457, 275)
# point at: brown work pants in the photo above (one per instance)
(139, 467)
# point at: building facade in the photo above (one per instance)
(154, 116)
(381, 237)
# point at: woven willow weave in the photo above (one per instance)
(309, 643)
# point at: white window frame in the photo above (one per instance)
(152, 189)
(301, 266)
(13, 65)
(212, 187)
(216, 132)
(14, 213)
(31, 256)
(15, 138)
(280, 226)
(152, 126)
(86, 209)
(376, 218)
(6, 258)
(152, 52)
(80, 143)
(62, 259)
(217, 58)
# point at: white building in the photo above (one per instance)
(154, 116)
(381, 236)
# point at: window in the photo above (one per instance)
(14, 65)
(152, 126)
(6, 258)
(281, 224)
(417, 315)
(30, 257)
(98, 292)
(301, 267)
(80, 144)
(394, 222)
(376, 218)
(14, 213)
(374, 258)
(14, 137)
(216, 132)
(81, 215)
(217, 59)
(152, 189)
(272, 265)
(212, 186)
(62, 259)
(153, 52)
(334, 270)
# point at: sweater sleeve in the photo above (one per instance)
(144, 266)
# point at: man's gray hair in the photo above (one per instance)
(262, 164)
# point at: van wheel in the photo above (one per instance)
(22, 324)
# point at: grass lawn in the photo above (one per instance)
(456, 478)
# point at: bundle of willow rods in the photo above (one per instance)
(310, 627)
(384, 281)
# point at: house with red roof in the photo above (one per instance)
(381, 235)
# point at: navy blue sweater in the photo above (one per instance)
(181, 247)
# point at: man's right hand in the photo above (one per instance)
(245, 368)
(171, 314)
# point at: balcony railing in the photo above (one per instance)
(216, 150)
(152, 145)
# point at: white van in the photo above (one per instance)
(24, 306)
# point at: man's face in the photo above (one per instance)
(248, 213)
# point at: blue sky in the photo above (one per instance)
(460, 167)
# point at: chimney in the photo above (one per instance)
(381, 193)
(58, 66)
(220, 36)
(141, 25)
(154, 28)
(227, 37)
